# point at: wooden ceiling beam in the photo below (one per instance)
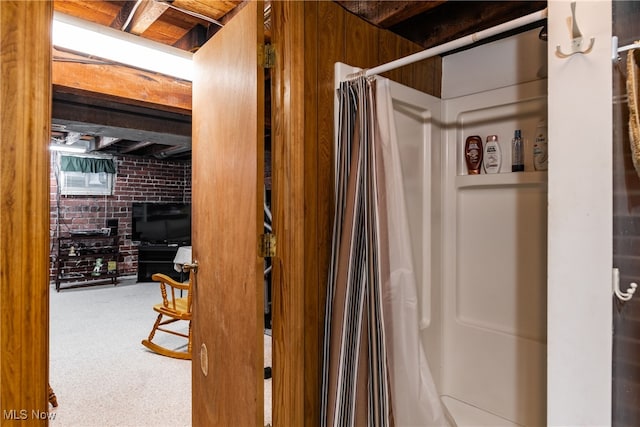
(455, 19)
(135, 146)
(103, 142)
(99, 11)
(193, 40)
(77, 73)
(121, 18)
(144, 14)
(385, 14)
(212, 9)
(99, 121)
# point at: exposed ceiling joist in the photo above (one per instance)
(120, 122)
(136, 146)
(143, 14)
(104, 142)
(437, 26)
(385, 14)
(75, 73)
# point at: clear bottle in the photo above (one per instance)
(492, 155)
(517, 158)
(540, 154)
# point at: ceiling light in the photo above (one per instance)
(67, 148)
(97, 40)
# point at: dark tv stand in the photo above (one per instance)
(157, 258)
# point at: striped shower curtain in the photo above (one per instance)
(375, 372)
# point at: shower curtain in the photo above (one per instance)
(375, 370)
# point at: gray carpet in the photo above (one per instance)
(103, 376)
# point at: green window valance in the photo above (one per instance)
(86, 164)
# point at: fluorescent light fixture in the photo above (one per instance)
(67, 148)
(86, 37)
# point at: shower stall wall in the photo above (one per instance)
(479, 242)
(494, 274)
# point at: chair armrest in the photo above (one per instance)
(163, 278)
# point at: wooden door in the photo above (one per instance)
(227, 182)
(25, 105)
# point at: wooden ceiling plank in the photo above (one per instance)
(171, 27)
(147, 12)
(99, 11)
(212, 9)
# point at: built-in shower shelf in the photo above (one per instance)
(502, 179)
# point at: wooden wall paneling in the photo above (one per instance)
(436, 70)
(25, 86)
(331, 34)
(317, 35)
(289, 184)
(361, 42)
(411, 73)
(330, 37)
(312, 174)
(424, 75)
(392, 47)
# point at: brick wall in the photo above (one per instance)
(137, 180)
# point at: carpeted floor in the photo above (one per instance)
(103, 376)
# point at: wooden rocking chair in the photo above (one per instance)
(174, 309)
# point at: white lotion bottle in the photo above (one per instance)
(492, 155)
(540, 148)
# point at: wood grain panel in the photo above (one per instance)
(312, 310)
(310, 42)
(313, 349)
(25, 86)
(317, 179)
(289, 280)
(391, 47)
(227, 180)
(361, 42)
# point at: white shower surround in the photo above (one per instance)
(572, 384)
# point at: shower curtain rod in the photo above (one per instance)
(461, 42)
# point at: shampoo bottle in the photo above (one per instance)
(540, 155)
(517, 158)
(473, 154)
(492, 155)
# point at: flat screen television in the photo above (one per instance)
(159, 223)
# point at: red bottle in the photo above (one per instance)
(473, 154)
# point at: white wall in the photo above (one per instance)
(580, 220)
